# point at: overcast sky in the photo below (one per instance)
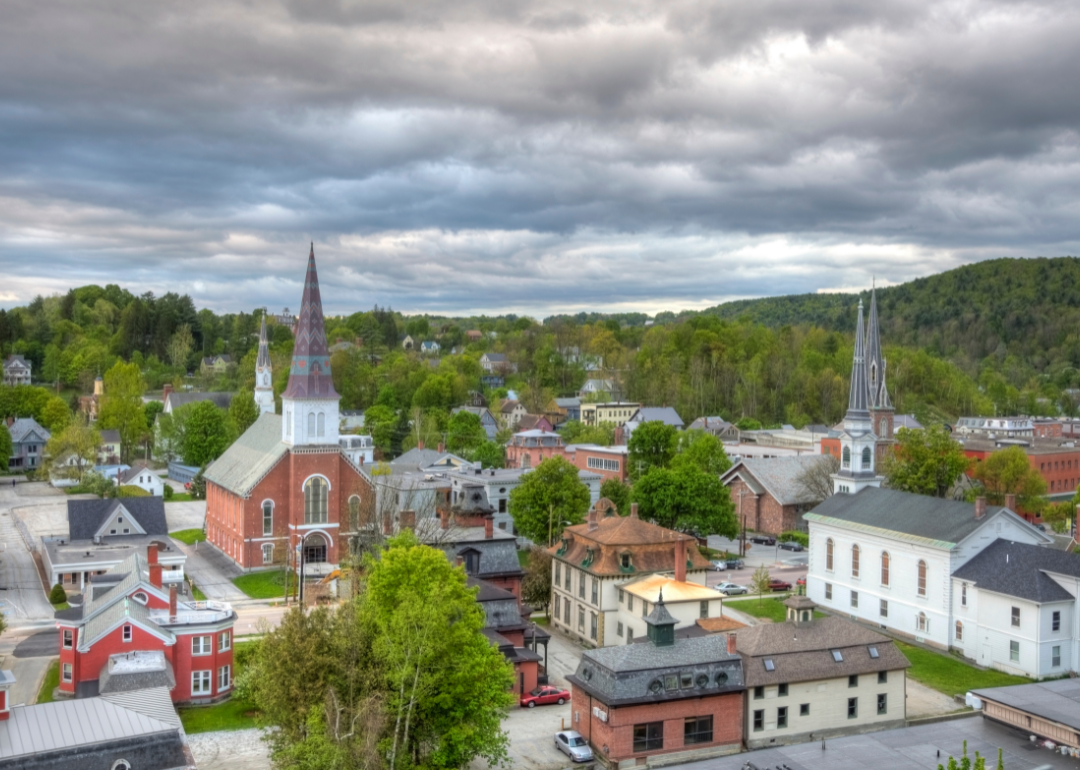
(503, 156)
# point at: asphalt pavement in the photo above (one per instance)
(22, 597)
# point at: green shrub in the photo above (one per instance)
(57, 595)
(129, 490)
(168, 493)
(801, 538)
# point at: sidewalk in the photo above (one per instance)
(212, 571)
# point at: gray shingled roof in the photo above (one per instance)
(930, 518)
(1057, 701)
(777, 475)
(113, 682)
(175, 400)
(154, 702)
(85, 517)
(250, 457)
(24, 428)
(1019, 569)
(628, 673)
(664, 414)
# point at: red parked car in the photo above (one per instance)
(779, 585)
(541, 696)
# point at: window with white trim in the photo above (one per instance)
(200, 682)
(201, 645)
(127, 632)
(69, 638)
(602, 464)
(224, 678)
(224, 641)
(67, 672)
(268, 518)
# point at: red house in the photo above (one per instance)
(529, 448)
(607, 461)
(291, 489)
(129, 626)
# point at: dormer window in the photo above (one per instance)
(837, 656)
(119, 519)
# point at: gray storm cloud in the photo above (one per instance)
(510, 156)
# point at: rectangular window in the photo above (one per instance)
(595, 591)
(804, 709)
(67, 672)
(759, 720)
(1014, 651)
(567, 584)
(201, 645)
(644, 608)
(127, 633)
(224, 678)
(1055, 621)
(781, 690)
(882, 703)
(852, 708)
(704, 612)
(759, 692)
(781, 717)
(629, 634)
(593, 626)
(828, 592)
(600, 464)
(622, 597)
(1055, 656)
(558, 573)
(566, 612)
(882, 677)
(963, 594)
(1016, 617)
(200, 682)
(649, 736)
(630, 602)
(68, 638)
(268, 519)
(619, 629)
(853, 680)
(581, 620)
(697, 730)
(224, 641)
(502, 505)
(581, 586)
(855, 599)
(884, 610)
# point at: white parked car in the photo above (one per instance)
(572, 744)
(719, 565)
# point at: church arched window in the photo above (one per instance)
(268, 518)
(315, 500)
(885, 568)
(847, 457)
(854, 561)
(354, 510)
(866, 464)
(883, 428)
(829, 554)
(322, 424)
(311, 424)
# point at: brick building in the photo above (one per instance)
(1057, 460)
(661, 696)
(529, 448)
(768, 494)
(607, 461)
(291, 489)
(127, 625)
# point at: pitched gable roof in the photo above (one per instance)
(87, 517)
(250, 457)
(176, 400)
(1019, 569)
(664, 414)
(27, 429)
(776, 475)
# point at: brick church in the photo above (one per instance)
(290, 485)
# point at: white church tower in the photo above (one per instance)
(858, 443)
(264, 381)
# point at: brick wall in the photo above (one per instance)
(762, 513)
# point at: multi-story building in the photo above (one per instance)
(529, 448)
(887, 558)
(290, 484)
(643, 414)
(809, 679)
(593, 559)
(613, 412)
(609, 462)
(17, 370)
(995, 427)
(28, 441)
(1016, 607)
(126, 616)
(1056, 460)
(686, 602)
(769, 493)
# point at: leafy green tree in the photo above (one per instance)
(924, 462)
(243, 412)
(122, 406)
(759, 581)
(536, 585)
(198, 486)
(1008, 471)
(57, 595)
(381, 421)
(576, 432)
(169, 435)
(489, 455)
(464, 432)
(206, 433)
(73, 451)
(180, 347)
(55, 415)
(6, 446)
(549, 495)
(618, 493)
(701, 450)
(686, 499)
(651, 445)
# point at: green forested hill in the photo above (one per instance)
(1019, 317)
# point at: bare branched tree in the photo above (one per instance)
(815, 480)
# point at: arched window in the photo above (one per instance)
(268, 553)
(922, 578)
(846, 462)
(883, 428)
(866, 464)
(959, 631)
(315, 501)
(322, 423)
(141, 597)
(922, 623)
(268, 518)
(828, 554)
(854, 561)
(885, 568)
(354, 510)
(311, 424)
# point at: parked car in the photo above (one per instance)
(570, 743)
(731, 589)
(779, 585)
(719, 565)
(187, 485)
(763, 539)
(792, 545)
(542, 696)
(734, 563)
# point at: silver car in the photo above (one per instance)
(731, 589)
(719, 565)
(573, 745)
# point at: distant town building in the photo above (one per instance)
(609, 462)
(529, 448)
(613, 412)
(28, 441)
(17, 370)
(768, 494)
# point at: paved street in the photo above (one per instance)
(27, 652)
(22, 597)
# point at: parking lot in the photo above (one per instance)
(785, 565)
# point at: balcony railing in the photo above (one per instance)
(194, 613)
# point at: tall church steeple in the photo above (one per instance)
(309, 404)
(264, 380)
(875, 362)
(858, 444)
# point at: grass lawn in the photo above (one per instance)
(196, 594)
(262, 585)
(62, 606)
(233, 714)
(189, 536)
(51, 682)
(179, 497)
(950, 676)
(770, 607)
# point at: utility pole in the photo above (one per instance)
(742, 518)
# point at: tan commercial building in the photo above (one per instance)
(614, 412)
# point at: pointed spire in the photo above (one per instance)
(875, 362)
(857, 399)
(263, 360)
(309, 376)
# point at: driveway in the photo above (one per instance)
(22, 597)
(27, 654)
(212, 571)
(187, 515)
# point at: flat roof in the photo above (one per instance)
(114, 550)
(650, 586)
(1056, 701)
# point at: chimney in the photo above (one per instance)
(420, 444)
(444, 519)
(442, 448)
(633, 510)
(155, 568)
(593, 525)
(1010, 502)
(489, 527)
(731, 644)
(680, 560)
(980, 507)
(172, 602)
(166, 390)
(407, 519)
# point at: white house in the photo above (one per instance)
(887, 557)
(686, 602)
(16, 370)
(142, 477)
(1015, 608)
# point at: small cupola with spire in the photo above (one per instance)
(661, 624)
(800, 609)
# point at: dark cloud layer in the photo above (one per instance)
(502, 155)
